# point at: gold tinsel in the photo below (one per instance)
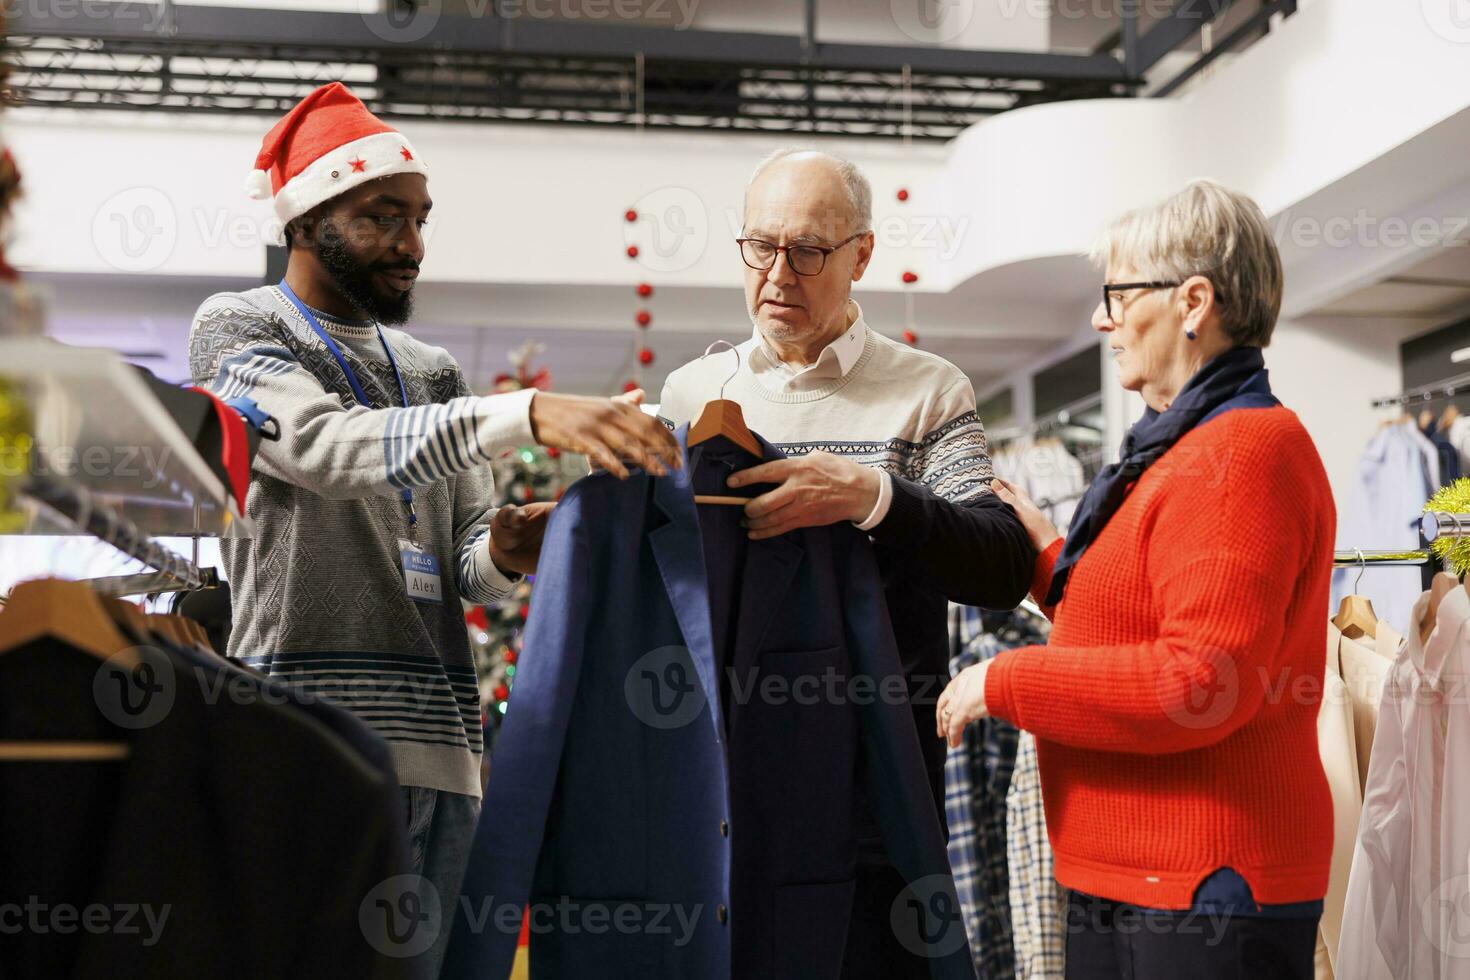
(15, 454)
(1454, 499)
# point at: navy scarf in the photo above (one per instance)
(1235, 379)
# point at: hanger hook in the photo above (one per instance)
(734, 350)
(1362, 567)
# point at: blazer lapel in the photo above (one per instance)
(679, 550)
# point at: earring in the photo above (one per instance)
(1191, 334)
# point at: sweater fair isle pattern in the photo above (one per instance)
(1175, 704)
(902, 410)
(318, 594)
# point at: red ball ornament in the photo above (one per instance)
(526, 611)
(645, 357)
(500, 693)
(643, 318)
(629, 386)
(910, 277)
(528, 495)
(477, 617)
(509, 656)
(630, 215)
(910, 337)
(553, 452)
(632, 251)
(645, 290)
(903, 194)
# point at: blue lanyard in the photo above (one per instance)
(305, 311)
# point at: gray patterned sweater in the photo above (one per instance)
(318, 594)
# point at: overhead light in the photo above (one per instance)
(1460, 356)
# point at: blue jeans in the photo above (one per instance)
(441, 829)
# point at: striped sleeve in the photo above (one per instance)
(953, 459)
(343, 450)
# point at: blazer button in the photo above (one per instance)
(724, 828)
(723, 914)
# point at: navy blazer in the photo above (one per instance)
(641, 835)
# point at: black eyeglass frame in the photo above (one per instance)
(1117, 287)
(825, 250)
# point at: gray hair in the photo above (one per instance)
(859, 191)
(1206, 230)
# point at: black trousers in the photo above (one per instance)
(1107, 940)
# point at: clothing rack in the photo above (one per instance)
(1058, 419)
(1435, 524)
(1446, 388)
(76, 506)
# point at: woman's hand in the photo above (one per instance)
(1038, 526)
(962, 702)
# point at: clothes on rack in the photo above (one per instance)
(1047, 471)
(1352, 689)
(999, 851)
(1394, 480)
(200, 836)
(977, 775)
(659, 752)
(1407, 911)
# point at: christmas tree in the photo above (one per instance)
(522, 476)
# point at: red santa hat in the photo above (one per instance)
(327, 145)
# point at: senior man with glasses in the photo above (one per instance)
(877, 433)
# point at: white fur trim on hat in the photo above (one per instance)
(350, 165)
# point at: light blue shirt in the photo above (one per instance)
(1383, 514)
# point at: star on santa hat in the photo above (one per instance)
(299, 163)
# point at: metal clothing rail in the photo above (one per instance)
(1449, 387)
(1435, 524)
(76, 506)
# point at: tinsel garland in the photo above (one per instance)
(1454, 499)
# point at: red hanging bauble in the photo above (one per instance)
(528, 494)
(645, 290)
(645, 357)
(643, 318)
(500, 693)
(477, 618)
(910, 337)
(911, 277)
(553, 452)
(509, 656)
(526, 612)
(903, 194)
(629, 386)
(630, 215)
(632, 251)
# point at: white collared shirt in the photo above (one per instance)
(835, 362)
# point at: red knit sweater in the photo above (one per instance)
(1175, 706)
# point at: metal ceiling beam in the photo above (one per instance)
(1182, 22)
(525, 35)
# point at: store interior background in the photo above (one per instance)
(1348, 123)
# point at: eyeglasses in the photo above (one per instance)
(1114, 304)
(805, 260)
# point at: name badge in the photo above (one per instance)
(420, 573)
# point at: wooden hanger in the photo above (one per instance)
(1448, 416)
(67, 611)
(1355, 617)
(73, 614)
(1444, 583)
(722, 417)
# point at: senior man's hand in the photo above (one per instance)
(815, 490)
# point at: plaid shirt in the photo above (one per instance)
(977, 775)
(1038, 904)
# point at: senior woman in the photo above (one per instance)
(1175, 704)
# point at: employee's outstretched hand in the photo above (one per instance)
(515, 537)
(816, 490)
(609, 431)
